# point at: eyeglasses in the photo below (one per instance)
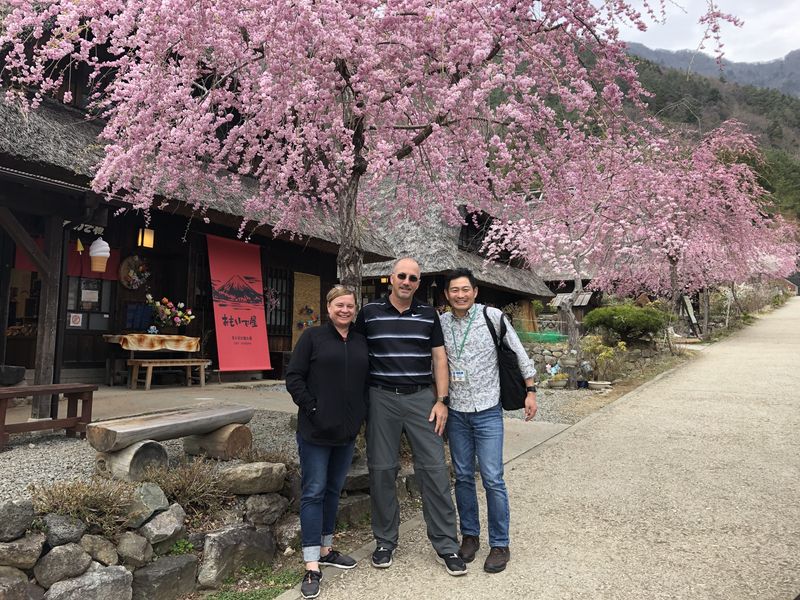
(411, 278)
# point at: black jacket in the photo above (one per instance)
(327, 378)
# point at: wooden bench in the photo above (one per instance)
(74, 423)
(150, 363)
(126, 447)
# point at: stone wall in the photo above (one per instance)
(56, 557)
(636, 359)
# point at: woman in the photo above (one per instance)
(327, 378)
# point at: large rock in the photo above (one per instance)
(254, 478)
(22, 553)
(164, 526)
(265, 509)
(62, 562)
(134, 550)
(231, 548)
(166, 578)
(100, 549)
(357, 479)
(15, 519)
(105, 583)
(13, 589)
(354, 509)
(287, 531)
(293, 489)
(148, 499)
(63, 529)
(12, 573)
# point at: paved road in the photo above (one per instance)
(688, 487)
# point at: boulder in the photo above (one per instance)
(354, 509)
(287, 531)
(100, 549)
(166, 578)
(62, 562)
(357, 479)
(265, 509)
(253, 478)
(148, 499)
(164, 526)
(15, 519)
(293, 489)
(105, 583)
(12, 573)
(231, 548)
(134, 550)
(22, 553)
(13, 589)
(63, 529)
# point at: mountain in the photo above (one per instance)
(782, 74)
(237, 289)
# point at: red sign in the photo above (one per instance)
(78, 265)
(239, 313)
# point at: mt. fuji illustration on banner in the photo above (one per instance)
(239, 314)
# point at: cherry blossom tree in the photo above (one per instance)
(448, 103)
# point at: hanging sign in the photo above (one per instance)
(239, 314)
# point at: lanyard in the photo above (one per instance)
(466, 333)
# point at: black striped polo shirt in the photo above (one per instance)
(400, 343)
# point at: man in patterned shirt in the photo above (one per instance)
(475, 420)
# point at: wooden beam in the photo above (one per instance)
(109, 436)
(21, 237)
(6, 257)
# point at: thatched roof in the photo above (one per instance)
(434, 245)
(56, 137)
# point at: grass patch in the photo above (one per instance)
(196, 485)
(100, 503)
(259, 583)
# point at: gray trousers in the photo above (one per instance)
(389, 415)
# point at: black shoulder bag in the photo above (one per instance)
(512, 383)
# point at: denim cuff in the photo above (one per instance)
(310, 553)
(327, 540)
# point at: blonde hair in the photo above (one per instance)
(340, 290)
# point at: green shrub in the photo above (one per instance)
(196, 485)
(100, 503)
(606, 361)
(626, 321)
(181, 546)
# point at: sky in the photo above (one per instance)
(770, 29)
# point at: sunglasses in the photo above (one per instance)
(403, 276)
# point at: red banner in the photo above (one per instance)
(239, 313)
(78, 265)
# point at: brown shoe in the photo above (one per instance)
(469, 546)
(497, 560)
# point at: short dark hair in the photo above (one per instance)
(459, 272)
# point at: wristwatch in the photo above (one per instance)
(444, 400)
(531, 388)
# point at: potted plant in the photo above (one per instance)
(559, 380)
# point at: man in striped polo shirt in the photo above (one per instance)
(405, 338)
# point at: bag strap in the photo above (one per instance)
(492, 330)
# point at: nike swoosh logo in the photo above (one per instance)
(413, 315)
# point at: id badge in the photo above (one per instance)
(458, 375)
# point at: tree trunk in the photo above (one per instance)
(226, 443)
(350, 258)
(130, 463)
(706, 300)
(573, 331)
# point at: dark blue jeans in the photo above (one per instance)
(322, 472)
(480, 435)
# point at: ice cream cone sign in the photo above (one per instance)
(79, 246)
(99, 252)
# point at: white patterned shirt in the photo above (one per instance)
(478, 358)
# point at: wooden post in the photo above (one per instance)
(6, 255)
(225, 443)
(41, 407)
(130, 463)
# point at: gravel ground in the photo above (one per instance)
(37, 458)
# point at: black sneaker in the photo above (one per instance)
(382, 557)
(453, 564)
(337, 559)
(310, 586)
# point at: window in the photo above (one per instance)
(278, 301)
(89, 303)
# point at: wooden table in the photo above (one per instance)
(147, 342)
(74, 423)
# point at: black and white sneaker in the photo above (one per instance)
(382, 557)
(453, 563)
(337, 559)
(310, 586)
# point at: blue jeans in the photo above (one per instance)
(480, 435)
(322, 473)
